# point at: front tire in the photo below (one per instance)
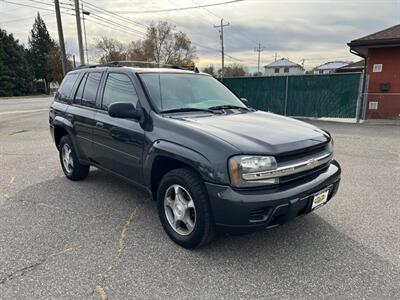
(69, 161)
(184, 209)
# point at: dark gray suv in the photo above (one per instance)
(210, 161)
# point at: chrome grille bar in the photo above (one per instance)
(291, 168)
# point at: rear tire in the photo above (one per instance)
(184, 209)
(69, 161)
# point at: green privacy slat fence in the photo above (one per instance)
(333, 95)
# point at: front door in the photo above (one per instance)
(118, 143)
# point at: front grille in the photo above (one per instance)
(298, 154)
(304, 155)
(313, 172)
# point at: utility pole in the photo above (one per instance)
(79, 30)
(60, 36)
(84, 32)
(259, 49)
(276, 56)
(302, 62)
(221, 31)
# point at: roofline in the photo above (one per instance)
(380, 42)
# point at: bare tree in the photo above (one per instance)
(54, 66)
(110, 49)
(162, 44)
(210, 70)
(234, 70)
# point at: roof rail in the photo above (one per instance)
(156, 64)
(111, 64)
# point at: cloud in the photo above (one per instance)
(314, 30)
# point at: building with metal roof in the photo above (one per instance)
(283, 66)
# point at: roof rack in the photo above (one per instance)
(155, 64)
(111, 64)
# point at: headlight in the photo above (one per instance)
(247, 171)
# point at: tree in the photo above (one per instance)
(54, 65)
(40, 44)
(110, 49)
(233, 70)
(210, 70)
(165, 45)
(16, 75)
(257, 74)
(162, 44)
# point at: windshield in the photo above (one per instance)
(172, 91)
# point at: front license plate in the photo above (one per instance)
(320, 199)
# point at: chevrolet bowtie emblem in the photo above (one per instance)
(312, 163)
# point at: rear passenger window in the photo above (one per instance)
(90, 89)
(79, 92)
(118, 88)
(64, 91)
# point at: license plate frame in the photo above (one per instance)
(320, 198)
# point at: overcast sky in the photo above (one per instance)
(316, 31)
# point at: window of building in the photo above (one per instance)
(373, 105)
(276, 70)
(118, 88)
(286, 70)
(377, 68)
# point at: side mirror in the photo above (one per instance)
(125, 110)
(245, 101)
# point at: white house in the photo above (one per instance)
(329, 67)
(283, 66)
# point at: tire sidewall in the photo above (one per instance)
(66, 140)
(195, 237)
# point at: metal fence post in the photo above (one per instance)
(359, 98)
(286, 94)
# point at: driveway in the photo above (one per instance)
(101, 238)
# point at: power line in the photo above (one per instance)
(132, 31)
(206, 9)
(107, 25)
(31, 6)
(26, 18)
(219, 17)
(48, 4)
(176, 9)
(114, 15)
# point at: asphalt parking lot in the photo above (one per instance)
(101, 237)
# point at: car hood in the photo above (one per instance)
(259, 132)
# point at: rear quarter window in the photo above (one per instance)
(64, 92)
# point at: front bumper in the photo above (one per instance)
(242, 211)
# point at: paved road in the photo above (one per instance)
(101, 237)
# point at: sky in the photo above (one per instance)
(313, 31)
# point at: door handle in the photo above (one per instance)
(99, 124)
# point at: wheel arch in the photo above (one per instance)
(165, 156)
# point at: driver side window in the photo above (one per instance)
(118, 88)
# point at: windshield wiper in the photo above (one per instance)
(185, 109)
(227, 106)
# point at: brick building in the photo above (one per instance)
(381, 51)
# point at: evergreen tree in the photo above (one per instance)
(40, 44)
(16, 75)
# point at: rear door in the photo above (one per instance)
(82, 111)
(118, 143)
